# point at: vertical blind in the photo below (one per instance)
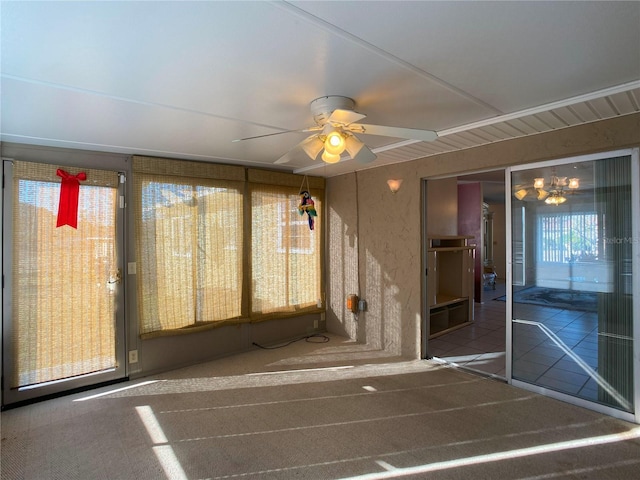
(615, 308)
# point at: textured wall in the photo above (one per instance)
(384, 230)
(342, 255)
(380, 229)
(442, 207)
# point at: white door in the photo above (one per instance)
(63, 320)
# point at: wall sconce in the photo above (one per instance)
(394, 185)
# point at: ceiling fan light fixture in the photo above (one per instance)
(330, 158)
(312, 147)
(353, 145)
(538, 183)
(574, 183)
(334, 142)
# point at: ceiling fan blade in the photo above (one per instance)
(359, 151)
(345, 117)
(262, 136)
(286, 158)
(304, 130)
(396, 132)
(365, 155)
(312, 146)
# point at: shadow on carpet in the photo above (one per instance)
(556, 298)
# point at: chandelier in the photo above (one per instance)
(552, 194)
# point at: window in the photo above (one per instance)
(285, 259)
(568, 237)
(293, 229)
(197, 265)
(189, 252)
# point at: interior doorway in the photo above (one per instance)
(481, 345)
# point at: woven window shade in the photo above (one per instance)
(63, 308)
(184, 168)
(196, 266)
(285, 253)
(189, 251)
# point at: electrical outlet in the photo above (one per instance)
(362, 305)
(133, 356)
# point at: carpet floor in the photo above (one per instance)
(335, 410)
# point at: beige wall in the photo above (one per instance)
(386, 228)
(442, 205)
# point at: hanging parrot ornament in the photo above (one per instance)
(307, 205)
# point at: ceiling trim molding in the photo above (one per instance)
(542, 108)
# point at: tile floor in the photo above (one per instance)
(481, 345)
(557, 365)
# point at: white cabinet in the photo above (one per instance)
(450, 276)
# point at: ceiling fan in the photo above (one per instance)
(336, 123)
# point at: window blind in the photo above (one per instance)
(219, 244)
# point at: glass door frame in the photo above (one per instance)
(635, 199)
(57, 387)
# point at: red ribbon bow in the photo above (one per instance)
(69, 191)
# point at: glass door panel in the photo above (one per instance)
(61, 327)
(572, 309)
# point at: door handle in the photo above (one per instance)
(118, 279)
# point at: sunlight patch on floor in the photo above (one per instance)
(163, 451)
(500, 456)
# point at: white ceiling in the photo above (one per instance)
(184, 79)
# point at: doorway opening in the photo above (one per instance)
(478, 201)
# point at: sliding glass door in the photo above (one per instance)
(62, 309)
(574, 328)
